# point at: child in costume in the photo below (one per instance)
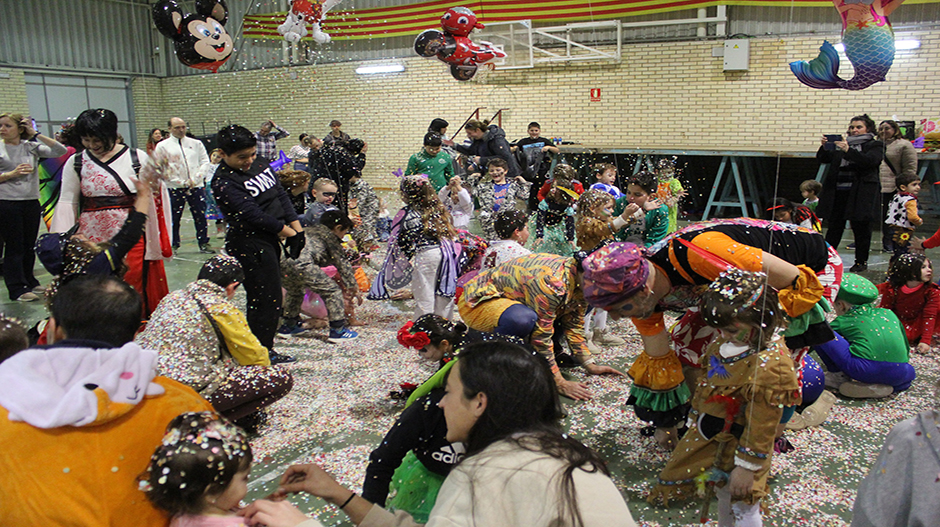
(554, 219)
(911, 295)
(422, 233)
(788, 212)
(649, 218)
(495, 193)
(595, 228)
(737, 405)
(364, 202)
(322, 248)
(902, 213)
(869, 356)
(669, 191)
(606, 176)
(324, 192)
(406, 470)
(457, 201)
(199, 473)
(513, 230)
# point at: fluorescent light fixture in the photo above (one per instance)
(381, 68)
(898, 45)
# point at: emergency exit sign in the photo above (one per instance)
(595, 94)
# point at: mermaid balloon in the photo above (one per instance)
(869, 45)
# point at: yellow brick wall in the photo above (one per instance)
(662, 95)
(13, 92)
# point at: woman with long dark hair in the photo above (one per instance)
(520, 469)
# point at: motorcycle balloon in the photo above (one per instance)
(462, 72)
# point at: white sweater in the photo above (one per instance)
(193, 160)
(514, 487)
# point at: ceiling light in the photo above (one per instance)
(898, 45)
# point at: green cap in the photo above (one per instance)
(857, 290)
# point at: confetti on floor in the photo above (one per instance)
(340, 408)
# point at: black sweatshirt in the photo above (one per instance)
(421, 427)
(253, 201)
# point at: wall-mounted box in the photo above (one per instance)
(737, 55)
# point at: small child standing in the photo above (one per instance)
(911, 295)
(554, 219)
(737, 405)
(649, 218)
(212, 208)
(422, 233)
(596, 228)
(669, 191)
(430, 160)
(512, 226)
(324, 194)
(810, 190)
(458, 202)
(363, 199)
(494, 193)
(902, 213)
(199, 473)
(606, 176)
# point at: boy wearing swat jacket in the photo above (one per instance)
(259, 214)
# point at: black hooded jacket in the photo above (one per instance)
(493, 144)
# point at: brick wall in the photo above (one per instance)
(671, 94)
(149, 106)
(13, 92)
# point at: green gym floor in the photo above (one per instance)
(340, 408)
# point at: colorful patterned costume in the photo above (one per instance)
(546, 283)
(735, 413)
(484, 192)
(658, 391)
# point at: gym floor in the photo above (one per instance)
(340, 408)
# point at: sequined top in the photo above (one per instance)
(182, 334)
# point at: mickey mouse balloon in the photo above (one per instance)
(199, 38)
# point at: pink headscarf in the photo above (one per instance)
(614, 273)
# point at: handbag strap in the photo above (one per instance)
(223, 347)
(888, 162)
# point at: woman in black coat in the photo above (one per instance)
(852, 190)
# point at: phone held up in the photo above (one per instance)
(831, 141)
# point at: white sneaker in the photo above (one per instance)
(605, 338)
(835, 379)
(860, 390)
(28, 297)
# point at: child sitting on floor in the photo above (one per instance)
(737, 405)
(869, 356)
(911, 295)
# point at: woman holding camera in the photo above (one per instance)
(852, 190)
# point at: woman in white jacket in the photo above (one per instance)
(520, 468)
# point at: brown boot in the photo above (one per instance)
(816, 413)
(605, 338)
